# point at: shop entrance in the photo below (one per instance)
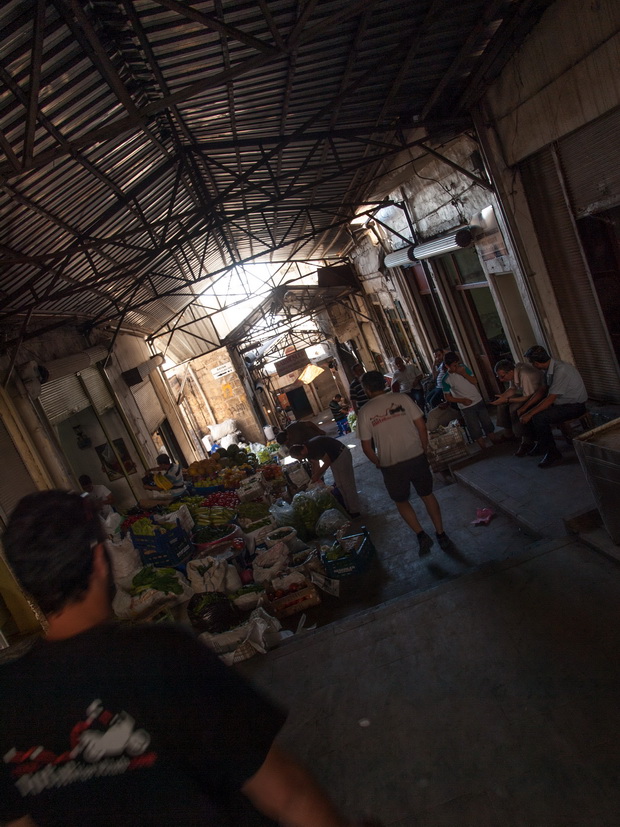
(299, 402)
(476, 313)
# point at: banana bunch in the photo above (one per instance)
(162, 482)
(214, 515)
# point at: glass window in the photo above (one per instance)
(469, 266)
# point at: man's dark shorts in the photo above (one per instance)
(398, 478)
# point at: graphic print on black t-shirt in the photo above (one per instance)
(103, 744)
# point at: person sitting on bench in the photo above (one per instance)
(562, 397)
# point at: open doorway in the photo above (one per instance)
(299, 402)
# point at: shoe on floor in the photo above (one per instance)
(523, 449)
(550, 458)
(424, 543)
(445, 543)
(535, 450)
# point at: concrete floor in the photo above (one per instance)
(478, 689)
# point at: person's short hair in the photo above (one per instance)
(505, 365)
(450, 358)
(338, 396)
(296, 450)
(282, 437)
(163, 459)
(537, 354)
(84, 480)
(374, 381)
(49, 543)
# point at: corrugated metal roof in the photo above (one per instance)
(147, 146)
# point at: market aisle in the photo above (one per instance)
(491, 699)
(397, 569)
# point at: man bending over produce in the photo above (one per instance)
(326, 452)
(123, 725)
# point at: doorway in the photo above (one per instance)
(475, 311)
(514, 312)
(299, 402)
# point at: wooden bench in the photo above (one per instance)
(570, 426)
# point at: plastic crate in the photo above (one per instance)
(208, 489)
(171, 548)
(361, 551)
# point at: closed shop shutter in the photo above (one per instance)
(62, 398)
(149, 405)
(97, 389)
(590, 161)
(15, 480)
(571, 282)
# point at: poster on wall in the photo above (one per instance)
(109, 462)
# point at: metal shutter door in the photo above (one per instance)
(62, 398)
(15, 480)
(98, 390)
(573, 290)
(591, 164)
(149, 405)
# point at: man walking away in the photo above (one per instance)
(396, 425)
(340, 413)
(562, 397)
(461, 386)
(357, 394)
(326, 452)
(128, 725)
(524, 381)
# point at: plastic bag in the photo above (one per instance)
(260, 633)
(325, 500)
(112, 523)
(270, 563)
(212, 612)
(329, 522)
(124, 558)
(127, 606)
(209, 574)
(283, 513)
(306, 510)
(222, 429)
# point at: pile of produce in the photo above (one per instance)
(212, 612)
(192, 503)
(204, 468)
(144, 527)
(229, 499)
(231, 477)
(253, 511)
(161, 579)
(214, 515)
(131, 519)
(271, 472)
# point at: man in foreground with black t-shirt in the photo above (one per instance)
(110, 725)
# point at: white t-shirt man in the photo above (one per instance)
(459, 386)
(389, 420)
(406, 377)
